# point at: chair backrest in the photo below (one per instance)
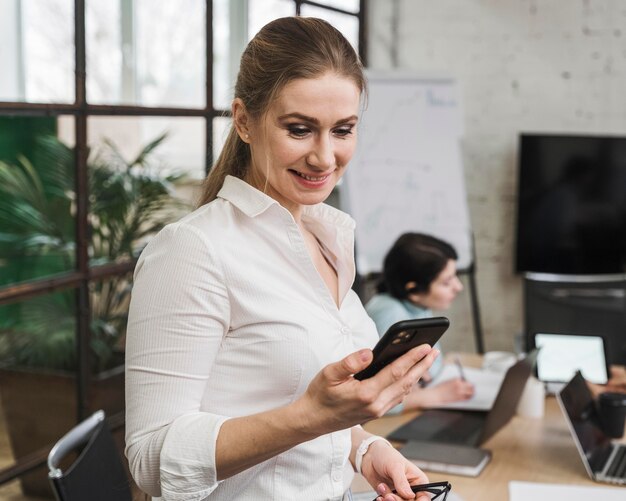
(97, 473)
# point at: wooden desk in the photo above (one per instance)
(534, 450)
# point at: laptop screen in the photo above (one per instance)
(578, 406)
(561, 355)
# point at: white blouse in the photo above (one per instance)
(229, 317)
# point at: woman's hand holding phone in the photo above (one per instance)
(402, 337)
(335, 400)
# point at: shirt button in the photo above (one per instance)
(337, 475)
(345, 330)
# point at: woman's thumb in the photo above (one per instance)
(353, 363)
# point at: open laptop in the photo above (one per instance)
(604, 460)
(471, 427)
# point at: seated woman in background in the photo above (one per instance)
(419, 275)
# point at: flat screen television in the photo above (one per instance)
(571, 213)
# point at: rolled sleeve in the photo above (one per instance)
(184, 465)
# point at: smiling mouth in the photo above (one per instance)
(310, 178)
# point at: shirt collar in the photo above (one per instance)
(245, 197)
(253, 202)
(334, 228)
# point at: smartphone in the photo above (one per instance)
(402, 337)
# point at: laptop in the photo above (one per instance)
(604, 460)
(471, 427)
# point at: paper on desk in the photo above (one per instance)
(486, 386)
(523, 491)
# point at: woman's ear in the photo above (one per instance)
(241, 120)
(412, 294)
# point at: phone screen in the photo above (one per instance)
(402, 337)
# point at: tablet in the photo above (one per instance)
(561, 355)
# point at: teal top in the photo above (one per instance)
(385, 310)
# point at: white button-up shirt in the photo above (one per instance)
(229, 317)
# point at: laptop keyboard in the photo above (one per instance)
(460, 430)
(617, 467)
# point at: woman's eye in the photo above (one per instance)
(343, 131)
(298, 131)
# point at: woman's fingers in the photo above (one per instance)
(399, 368)
(397, 381)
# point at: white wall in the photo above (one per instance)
(523, 65)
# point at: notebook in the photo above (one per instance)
(486, 386)
(447, 458)
(471, 427)
(604, 460)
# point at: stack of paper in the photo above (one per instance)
(523, 491)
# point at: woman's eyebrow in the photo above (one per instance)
(314, 120)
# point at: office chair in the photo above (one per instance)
(97, 474)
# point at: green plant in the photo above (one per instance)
(128, 202)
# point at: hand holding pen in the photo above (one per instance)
(457, 361)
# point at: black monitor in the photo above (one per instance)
(571, 216)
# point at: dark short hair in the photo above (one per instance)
(414, 257)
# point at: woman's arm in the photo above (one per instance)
(179, 313)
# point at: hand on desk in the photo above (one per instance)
(616, 382)
(451, 390)
(617, 379)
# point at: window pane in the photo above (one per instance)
(261, 12)
(221, 128)
(37, 50)
(349, 5)
(146, 52)
(37, 378)
(135, 170)
(37, 198)
(233, 27)
(109, 316)
(223, 81)
(348, 25)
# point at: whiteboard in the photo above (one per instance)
(407, 174)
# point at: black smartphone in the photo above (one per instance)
(402, 337)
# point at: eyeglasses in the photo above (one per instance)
(439, 490)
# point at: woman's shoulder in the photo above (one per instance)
(203, 225)
(383, 303)
(382, 299)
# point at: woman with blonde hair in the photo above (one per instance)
(244, 333)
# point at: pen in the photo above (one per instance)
(458, 364)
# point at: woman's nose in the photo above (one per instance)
(322, 156)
